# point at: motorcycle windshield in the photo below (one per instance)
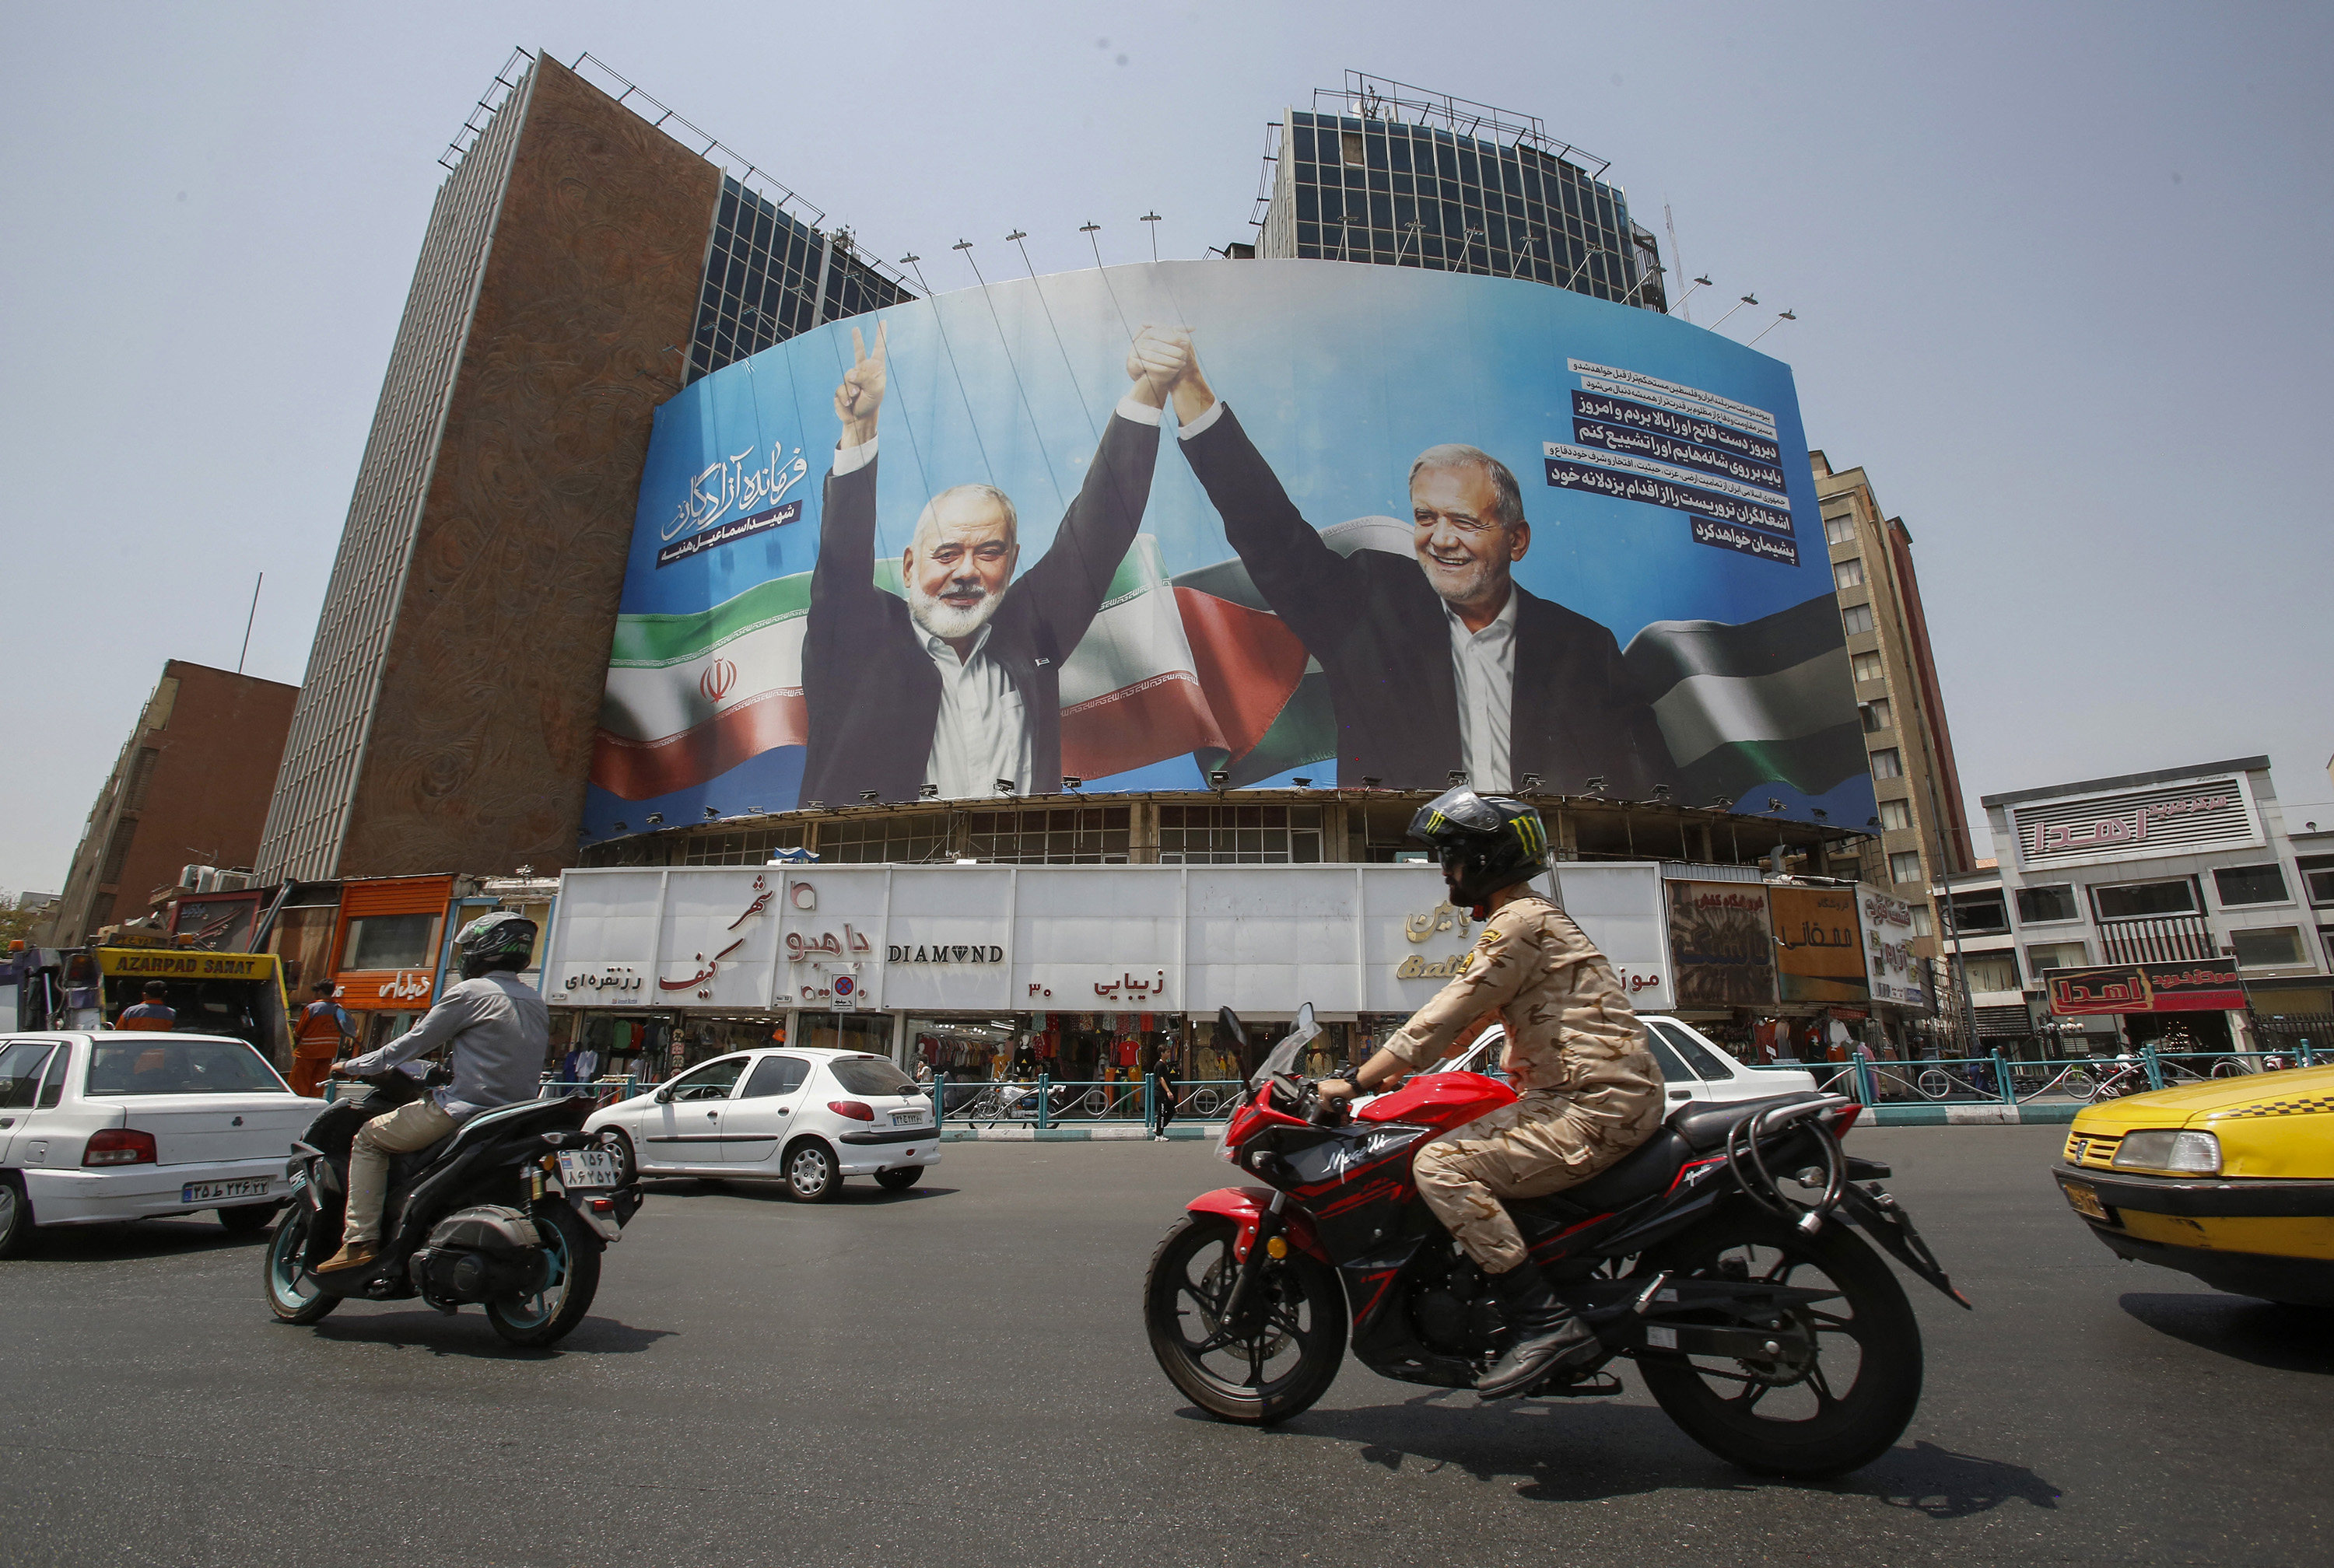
(1292, 1045)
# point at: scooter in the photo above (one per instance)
(510, 1211)
(1762, 1323)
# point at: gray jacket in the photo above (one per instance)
(500, 1031)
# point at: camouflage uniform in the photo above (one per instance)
(1590, 1091)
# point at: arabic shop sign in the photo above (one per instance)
(2202, 985)
(614, 980)
(1891, 967)
(2136, 824)
(1126, 987)
(705, 970)
(1819, 954)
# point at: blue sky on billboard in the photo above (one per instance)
(1341, 376)
(2050, 265)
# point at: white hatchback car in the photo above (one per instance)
(114, 1126)
(808, 1118)
(1695, 1067)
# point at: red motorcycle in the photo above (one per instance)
(1763, 1325)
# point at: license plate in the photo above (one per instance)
(908, 1118)
(212, 1191)
(588, 1167)
(2086, 1201)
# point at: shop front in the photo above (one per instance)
(1088, 973)
(388, 952)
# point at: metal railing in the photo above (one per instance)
(1998, 1080)
(1045, 1102)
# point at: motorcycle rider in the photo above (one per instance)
(500, 1031)
(1589, 1091)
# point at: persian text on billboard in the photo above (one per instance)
(1721, 946)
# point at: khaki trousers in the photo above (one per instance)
(1540, 1144)
(401, 1131)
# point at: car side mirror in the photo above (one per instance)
(664, 1097)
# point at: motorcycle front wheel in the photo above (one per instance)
(1831, 1410)
(551, 1314)
(292, 1294)
(1281, 1356)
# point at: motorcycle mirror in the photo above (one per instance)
(1229, 1022)
(1303, 1019)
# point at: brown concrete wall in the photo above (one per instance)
(482, 736)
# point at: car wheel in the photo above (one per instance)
(249, 1219)
(15, 1217)
(811, 1173)
(620, 1141)
(899, 1180)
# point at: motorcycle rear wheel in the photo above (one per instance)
(1269, 1377)
(1811, 1428)
(552, 1314)
(286, 1265)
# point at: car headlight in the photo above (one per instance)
(2187, 1153)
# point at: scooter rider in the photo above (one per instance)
(500, 1031)
(1589, 1089)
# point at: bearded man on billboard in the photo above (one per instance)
(958, 684)
(1439, 662)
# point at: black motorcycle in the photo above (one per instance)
(510, 1211)
(1761, 1322)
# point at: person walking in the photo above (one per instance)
(155, 1013)
(323, 1032)
(1163, 1090)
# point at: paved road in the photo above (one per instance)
(957, 1376)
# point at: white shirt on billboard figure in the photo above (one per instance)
(956, 682)
(1528, 686)
(1483, 663)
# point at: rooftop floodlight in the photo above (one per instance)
(656, 819)
(1071, 781)
(1661, 792)
(1597, 784)
(1819, 813)
(1217, 778)
(1006, 786)
(1722, 801)
(1532, 783)
(930, 791)
(1747, 300)
(1369, 783)
(1773, 804)
(815, 806)
(1872, 821)
(1778, 321)
(871, 796)
(620, 827)
(1457, 776)
(1303, 784)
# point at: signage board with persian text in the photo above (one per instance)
(2182, 819)
(1818, 952)
(2198, 985)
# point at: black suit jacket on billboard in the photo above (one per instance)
(1377, 628)
(872, 694)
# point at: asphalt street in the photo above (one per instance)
(958, 1375)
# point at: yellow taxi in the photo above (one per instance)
(2230, 1180)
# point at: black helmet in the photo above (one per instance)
(502, 940)
(1484, 842)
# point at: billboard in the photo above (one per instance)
(1818, 952)
(1275, 518)
(1722, 944)
(1894, 972)
(2196, 986)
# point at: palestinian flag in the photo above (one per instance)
(1767, 700)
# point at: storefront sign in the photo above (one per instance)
(2203, 985)
(166, 964)
(1723, 944)
(1818, 952)
(1620, 908)
(1891, 967)
(944, 953)
(615, 980)
(2135, 824)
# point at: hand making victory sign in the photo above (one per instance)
(861, 391)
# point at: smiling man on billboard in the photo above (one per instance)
(1439, 660)
(957, 684)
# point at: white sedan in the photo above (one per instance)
(805, 1117)
(1695, 1067)
(114, 1126)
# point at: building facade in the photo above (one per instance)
(1378, 171)
(1921, 835)
(2144, 887)
(450, 697)
(190, 787)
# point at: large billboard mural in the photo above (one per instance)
(1278, 519)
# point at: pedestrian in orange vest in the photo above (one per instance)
(154, 1013)
(324, 1028)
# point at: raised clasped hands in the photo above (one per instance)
(861, 394)
(1158, 358)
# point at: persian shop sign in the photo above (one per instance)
(2178, 821)
(2202, 985)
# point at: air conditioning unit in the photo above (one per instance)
(199, 878)
(232, 881)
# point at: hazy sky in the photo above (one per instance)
(2052, 267)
